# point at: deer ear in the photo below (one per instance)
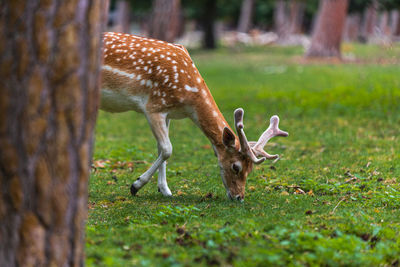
(228, 138)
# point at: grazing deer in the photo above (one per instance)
(160, 80)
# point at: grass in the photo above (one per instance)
(333, 199)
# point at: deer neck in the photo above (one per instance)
(210, 120)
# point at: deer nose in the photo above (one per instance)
(239, 198)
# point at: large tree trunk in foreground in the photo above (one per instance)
(123, 16)
(328, 31)
(165, 20)
(246, 15)
(49, 76)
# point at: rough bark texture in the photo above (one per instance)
(208, 23)
(328, 31)
(165, 20)
(246, 15)
(123, 16)
(49, 76)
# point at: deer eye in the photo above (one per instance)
(236, 167)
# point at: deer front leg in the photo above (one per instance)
(159, 128)
(162, 176)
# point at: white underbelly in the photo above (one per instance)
(113, 101)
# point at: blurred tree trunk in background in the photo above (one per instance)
(50, 58)
(394, 22)
(246, 15)
(369, 21)
(281, 19)
(397, 25)
(208, 23)
(327, 35)
(122, 18)
(384, 23)
(165, 20)
(288, 17)
(297, 8)
(352, 27)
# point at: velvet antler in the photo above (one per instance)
(244, 144)
(272, 131)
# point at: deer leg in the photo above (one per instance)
(159, 128)
(162, 176)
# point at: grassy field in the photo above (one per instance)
(333, 198)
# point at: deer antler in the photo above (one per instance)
(272, 131)
(244, 144)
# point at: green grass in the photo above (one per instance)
(343, 152)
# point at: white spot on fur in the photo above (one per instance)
(191, 89)
(119, 72)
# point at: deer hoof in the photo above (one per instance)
(133, 190)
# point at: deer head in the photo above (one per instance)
(236, 160)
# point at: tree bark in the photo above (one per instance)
(165, 20)
(397, 28)
(352, 27)
(123, 16)
(208, 23)
(246, 15)
(281, 20)
(297, 9)
(395, 22)
(384, 24)
(49, 75)
(328, 32)
(369, 21)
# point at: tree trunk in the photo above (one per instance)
(208, 23)
(352, 27)
(297, 9)
(49, 75)
(384, 24)
(370, 17)
(246, 15)
(327, 34)
(165, 20)
(123, 16)
(397, 28)
(395, 22)
(281, 20)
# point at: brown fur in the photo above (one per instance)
(165, 74)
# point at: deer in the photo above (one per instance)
(160, 80)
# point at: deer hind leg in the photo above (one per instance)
(159, 128)
(162, 177)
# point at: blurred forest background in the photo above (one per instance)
(319, 26)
